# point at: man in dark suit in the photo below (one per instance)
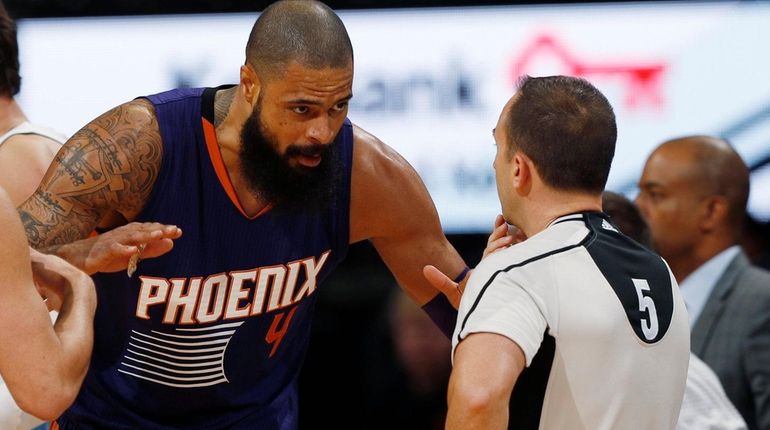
(693, 194)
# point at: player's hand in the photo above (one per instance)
(57, 281)
(502, 237)
(112, 250)
(451, 289)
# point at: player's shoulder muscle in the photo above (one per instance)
(386, 191)
(110, 164)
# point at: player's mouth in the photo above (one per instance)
(309, 160)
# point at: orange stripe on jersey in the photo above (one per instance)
(212, 146)
(54, 426)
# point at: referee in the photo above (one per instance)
(577, 327)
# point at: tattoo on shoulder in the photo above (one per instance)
(110, 164)
(222, 101)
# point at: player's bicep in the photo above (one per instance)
(110, 164)
(391, 206)
(388, 198)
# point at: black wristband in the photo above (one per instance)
(462, 274)
(443, 314)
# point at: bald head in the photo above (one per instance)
(306, 32)
(713, 169)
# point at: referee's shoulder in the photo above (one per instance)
(531, 250)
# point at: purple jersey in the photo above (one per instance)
(211, 335)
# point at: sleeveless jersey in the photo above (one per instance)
(28, 128)
(211, 335)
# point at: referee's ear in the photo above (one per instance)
(522, 173)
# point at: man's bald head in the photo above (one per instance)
(307, 32)
(715, 169)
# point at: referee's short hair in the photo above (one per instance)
(567, 127)
(10, 82)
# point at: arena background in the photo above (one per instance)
(431, 78)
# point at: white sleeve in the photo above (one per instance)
(494, 302)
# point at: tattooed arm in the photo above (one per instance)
(109, 166)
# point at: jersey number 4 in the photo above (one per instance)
(277, 330)
(649, 327)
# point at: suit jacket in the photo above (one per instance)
(732, 335)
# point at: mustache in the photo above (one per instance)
(310, 150)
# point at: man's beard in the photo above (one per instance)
(272, 178)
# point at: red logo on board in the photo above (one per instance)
(642, 81)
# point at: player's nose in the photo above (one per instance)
(321, 130)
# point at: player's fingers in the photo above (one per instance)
(144, 236)
(157, 248)
(439, 280)
(501, 243)
(153, 229)
(172, 232)
(119, 249)
(499, 220)
(497, 233)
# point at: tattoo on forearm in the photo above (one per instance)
(110, 164)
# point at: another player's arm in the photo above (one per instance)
(43, 365)
(391, 206)
(32, 151)
(486, 367)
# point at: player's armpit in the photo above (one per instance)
(110, 164)
(391, 206)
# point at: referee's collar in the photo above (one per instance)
(576, 216)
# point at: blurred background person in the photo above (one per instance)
(755, 242)
(693, 193)
(407, 386)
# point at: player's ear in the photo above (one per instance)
(250, 83)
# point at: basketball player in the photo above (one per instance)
(578, 326)
(270, 182)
